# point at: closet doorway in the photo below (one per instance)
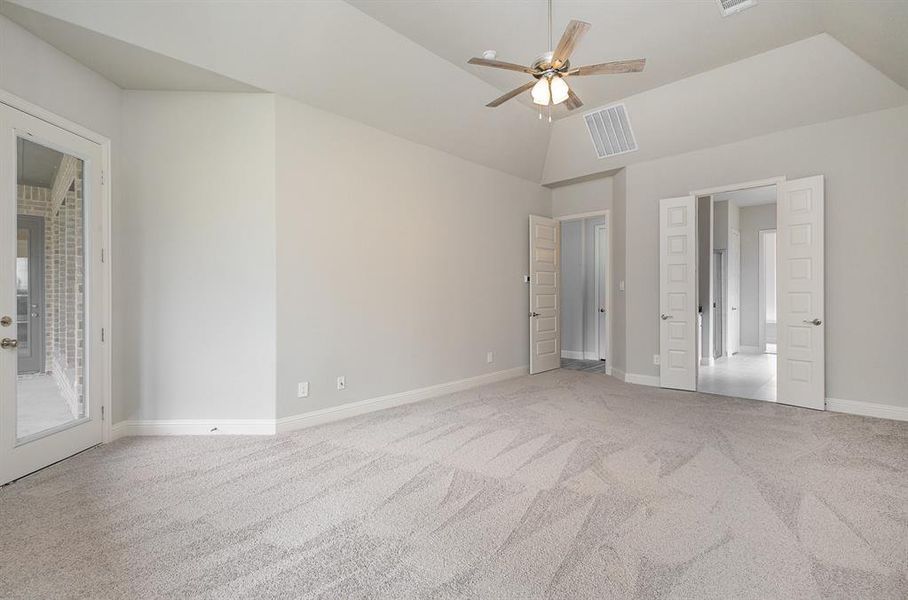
(585, 291)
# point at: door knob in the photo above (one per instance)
(534, 314)
(8, 343)
(666, 317)
(602, 310)
(734, 308)
(813, 322)
(6, 321)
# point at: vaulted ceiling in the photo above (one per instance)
(400, 65)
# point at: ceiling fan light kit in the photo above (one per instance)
(552, 68)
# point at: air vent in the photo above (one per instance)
(730, 7)
(610, 130)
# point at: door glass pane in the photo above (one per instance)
(50, 270)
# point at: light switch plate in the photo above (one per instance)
(490, 357)
(302, 389)
(657, 359)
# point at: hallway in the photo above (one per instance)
(741, 376)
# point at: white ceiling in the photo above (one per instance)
(678, 39)
(750, 197)
(400, 65)
(129, 67)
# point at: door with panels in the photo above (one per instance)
(545, 327)
(799, 272)
(678, 293)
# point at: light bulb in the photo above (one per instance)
(541, 92)
(560, 90)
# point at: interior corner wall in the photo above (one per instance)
(398, 266)
(753, 220)
(35, 71)
(862, 159)
(572, 288)
(195, 267)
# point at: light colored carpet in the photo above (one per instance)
(562, 485)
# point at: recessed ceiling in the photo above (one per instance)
(678, 39)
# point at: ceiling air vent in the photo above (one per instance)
(610, 130)
(730, 7)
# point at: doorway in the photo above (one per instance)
(585, 271)
(53, 294)
(735, 356)
(739, 364)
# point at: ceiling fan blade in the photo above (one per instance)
(484, 62)
(569, 40)
(611, 68)
(515, 92)
(573, 101)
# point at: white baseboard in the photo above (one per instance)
(867, 409)
(591, 356)
(575, 354)
(193, 427)
(750, 349)
(705, 362)
(651, 380)
(345, 411)
(616, 372)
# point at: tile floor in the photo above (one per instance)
(741, 376)
(40, 405)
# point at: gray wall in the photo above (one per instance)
(618, 349)
(863, 160)
(582, 197)
(398, 266)
(572, 286)
(753, 219)
(704, 272)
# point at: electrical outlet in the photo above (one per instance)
(341, 383)
(490, 357)
(656, 359)
(302, 389)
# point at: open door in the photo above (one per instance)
(799, 280)
(545, 306)
(678, 293)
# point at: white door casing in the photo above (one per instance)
(545, 304)
(19, 457)
(734, 291)
(799, 279)
(678, 293)
(602, 289)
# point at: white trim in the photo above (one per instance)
(707, 361)
(749, 349)
(615, 372)
(761, 284)
(579, 216)
(194, 427)
(604, 227)
(651, 380)
(575, 354)
(590, 356)
(867, 409)
(38, 112)
(345, 411)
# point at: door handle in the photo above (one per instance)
(813, 322)
(534, 314)
(602, 310)
(8, 343)
(666, 317)
(734, 308)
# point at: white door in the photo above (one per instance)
(678, 293)
(602, 296)
(799, 280)
(55, 411)
(734, 291)
(545, 330)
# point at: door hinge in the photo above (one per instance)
(102, 255)
(102, 334)
(102, 177)
(102, 412)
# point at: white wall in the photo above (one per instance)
(196, 267)
(398, 266)
(753, 219)
(572, 279)
(593, 195)
(863, 160)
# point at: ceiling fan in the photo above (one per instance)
(550, 70)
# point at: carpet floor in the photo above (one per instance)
(561, 485)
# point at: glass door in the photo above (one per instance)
(50, 212)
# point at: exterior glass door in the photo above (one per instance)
(50, 207)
